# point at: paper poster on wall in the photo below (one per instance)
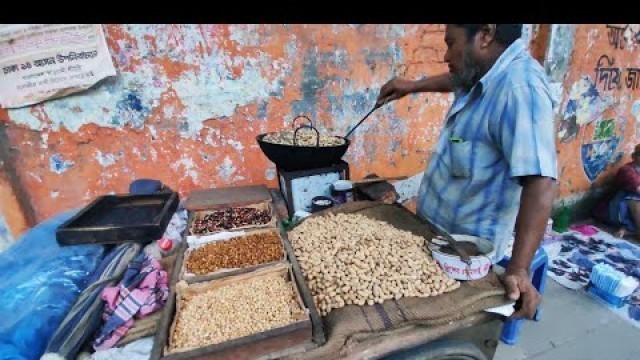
(45, 61)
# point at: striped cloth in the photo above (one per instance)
(83, 320)
(502, 129)
(143, 290)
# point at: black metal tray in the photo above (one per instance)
(113, 219)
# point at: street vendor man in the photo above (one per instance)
(493, 170)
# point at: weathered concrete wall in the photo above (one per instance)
(597, 117)
(189, 101)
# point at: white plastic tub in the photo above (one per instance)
(454, 267)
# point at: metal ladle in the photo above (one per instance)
(463, 248)
(378, 105)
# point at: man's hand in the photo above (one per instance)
(394, 89)
(519, 287)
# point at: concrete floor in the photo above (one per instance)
(573, 327)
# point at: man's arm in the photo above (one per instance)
(398, 87)
(536, 202)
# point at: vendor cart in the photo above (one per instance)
(451, 325)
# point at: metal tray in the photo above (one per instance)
(113, 219)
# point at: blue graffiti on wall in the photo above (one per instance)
(597, 155)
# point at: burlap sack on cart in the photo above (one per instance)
(352, 325)
(348, 326)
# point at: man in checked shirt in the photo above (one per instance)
(495, 160)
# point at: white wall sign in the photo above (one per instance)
(45, 61)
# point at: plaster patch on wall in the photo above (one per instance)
(559, 53)
(390, 31)
(44, 140)
(226, 169)
(188, 167)
(58, 165)
(54, 194)
(105, 160)
(118, 101)
(408, 189)
(236, 144)
(291, 49)
(218, 94)
(270, 174)
(586, 102)
(246, 34)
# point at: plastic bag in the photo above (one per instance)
(39, 282)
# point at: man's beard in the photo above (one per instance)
(470, 73)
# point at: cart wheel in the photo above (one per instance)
(440, 350)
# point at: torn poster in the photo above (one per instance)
(39, 62)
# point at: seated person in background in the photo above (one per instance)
(622, 209)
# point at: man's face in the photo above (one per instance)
(464, 67)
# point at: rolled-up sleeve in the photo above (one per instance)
(526, 132)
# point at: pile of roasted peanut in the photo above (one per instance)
(230, 218)
(352, 259)
(239, 252)
(233, 311)
(304, 137)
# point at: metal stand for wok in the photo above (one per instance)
(286, 179)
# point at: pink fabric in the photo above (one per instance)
(586, 230)
(123, 304)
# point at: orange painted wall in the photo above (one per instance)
(595, 102)
(189, 101)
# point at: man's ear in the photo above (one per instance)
(487, 35)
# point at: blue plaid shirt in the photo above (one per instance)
(500, 130)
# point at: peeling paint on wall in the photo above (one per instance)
(560, 49)
(187, 167)
(586, 103)
(105, 160)
(226, 170)
(597, 128)
(190, 99)
(58, 165)
(270, 174)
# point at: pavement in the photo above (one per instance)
(573, 327)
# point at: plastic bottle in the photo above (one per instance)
(161, 248)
